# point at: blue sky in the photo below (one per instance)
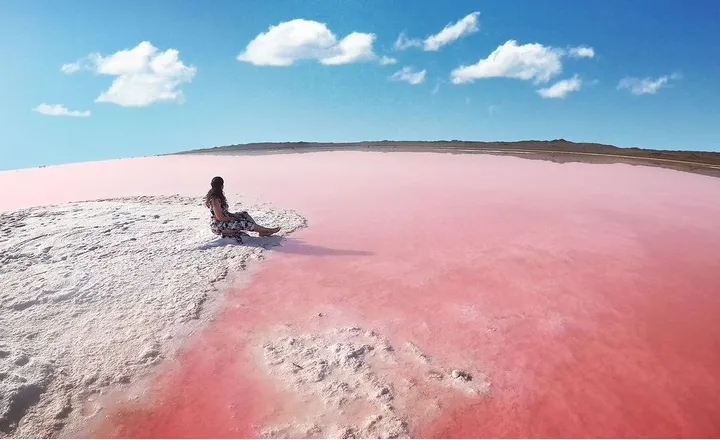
(199, 74)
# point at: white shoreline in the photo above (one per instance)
(100, 292)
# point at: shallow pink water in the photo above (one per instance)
(589, 294)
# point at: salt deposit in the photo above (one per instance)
(96, 293)
(365, 387)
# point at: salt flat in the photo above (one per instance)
(95, 292)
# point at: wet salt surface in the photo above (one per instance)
(364, 386)
(586, 294)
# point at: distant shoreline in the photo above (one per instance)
(560, 151)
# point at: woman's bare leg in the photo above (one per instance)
(261, 230)
(264, 232)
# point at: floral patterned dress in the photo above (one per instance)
(241, 221)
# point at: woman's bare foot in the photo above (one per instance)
(268, 232)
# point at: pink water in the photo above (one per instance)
(589, 294)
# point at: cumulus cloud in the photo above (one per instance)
(582, 52)
(409, 75)
(562, 88)
(300, 39)
(526, 62)
(646, 86)
(353, 48)
(384, 60)
(60, 110)
(143, 75)
(450, 33)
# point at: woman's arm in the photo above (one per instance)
(217, 210)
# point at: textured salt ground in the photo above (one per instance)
(353, 383)
(96, 293)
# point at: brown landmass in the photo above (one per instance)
(559, 150)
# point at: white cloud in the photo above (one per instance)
(645, 86)
(144, 75)
(351, 49)
(70, 67)
(60, 110)
(409, 75)
(510, 60)
(384, 60)
(582, 52)
(300, 39)
(562, 88)
(403, 42)
(450, 33)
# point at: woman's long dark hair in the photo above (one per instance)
(216, 192)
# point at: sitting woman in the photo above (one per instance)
(226, 223)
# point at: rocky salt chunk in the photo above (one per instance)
(461, 375)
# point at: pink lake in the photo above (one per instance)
(588, 294)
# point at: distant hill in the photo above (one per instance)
(552, 150)
(453, 144)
